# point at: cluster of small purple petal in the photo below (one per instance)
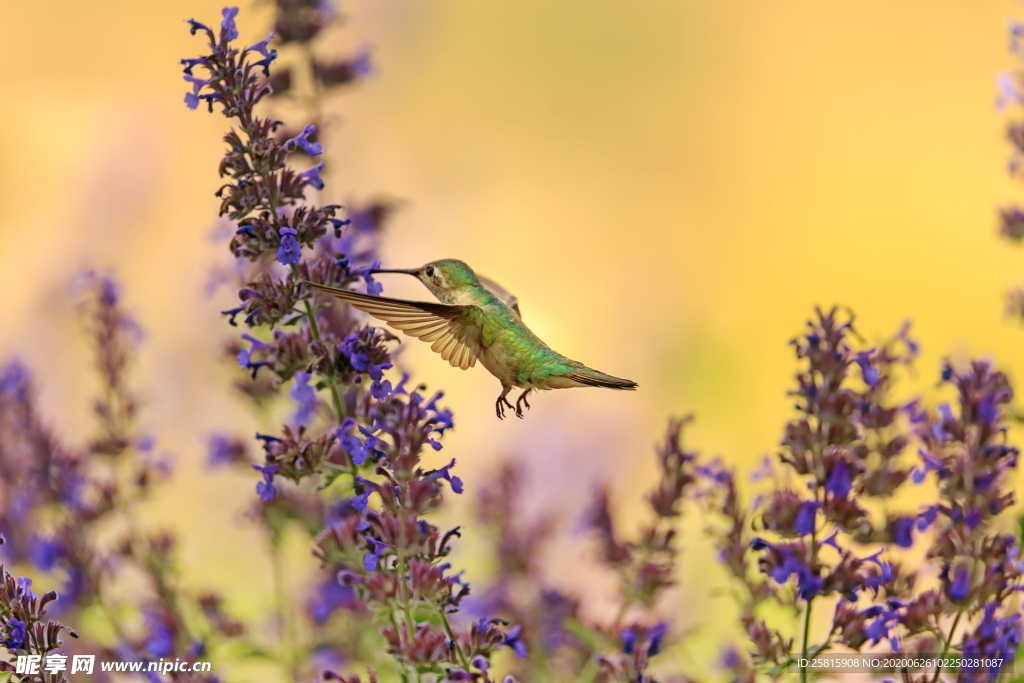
(366, 447)
(56, 501)
(647, 565)
(24, 626)
(520, 589)
(964, 450)
(842, 450)
(567, 640)
(383, 550)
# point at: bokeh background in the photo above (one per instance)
(668, 186)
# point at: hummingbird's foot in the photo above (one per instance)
(501, 403)
(520, 402)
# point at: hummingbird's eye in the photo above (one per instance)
(429, 271)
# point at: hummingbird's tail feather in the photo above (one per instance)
(592, 378)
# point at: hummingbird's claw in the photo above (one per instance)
(499, 405)
(520, 402)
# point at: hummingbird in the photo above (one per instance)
(478, 319)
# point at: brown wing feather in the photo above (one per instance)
(448, 327)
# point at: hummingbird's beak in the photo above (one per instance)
(407, 271)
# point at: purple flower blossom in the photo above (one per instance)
(927, 517)
(839, 482)
(960, 585)
(806, 518)
(514, 640)
(380, 389)
(655, 637)
(16, 633)
(883, 620)
(265, 489)
(192, 98)
(195, 26)
(303, 142)
(263, 46)
(884, 575)
(445, 473)
(45, 552)
(902, 531)
(312, 176)
(25, 587)
(350, 443)
(305, 396)
(918, 475)
(289, 252)
(372, 558)
(14, 380)
(787, 564)
(219, 450)
(330, 596)
(160, 640)
(365, 354)
(372, 286)
(245, 356)
(228, 30)
(362, 64)
(871, 375)
(995, 639)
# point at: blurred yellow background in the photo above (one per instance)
(669, 187)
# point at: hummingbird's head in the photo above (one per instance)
(446, 278)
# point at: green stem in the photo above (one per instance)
(405, 604)
(807, 630)
(451, 636)
(621, 614)
(810, 600)
(314, 330)
(315, 113)
(290, 663)
(945, 646)
(314, 327)
(589, 672)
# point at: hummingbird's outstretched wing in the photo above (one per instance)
(506, 297)
(450, 328)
